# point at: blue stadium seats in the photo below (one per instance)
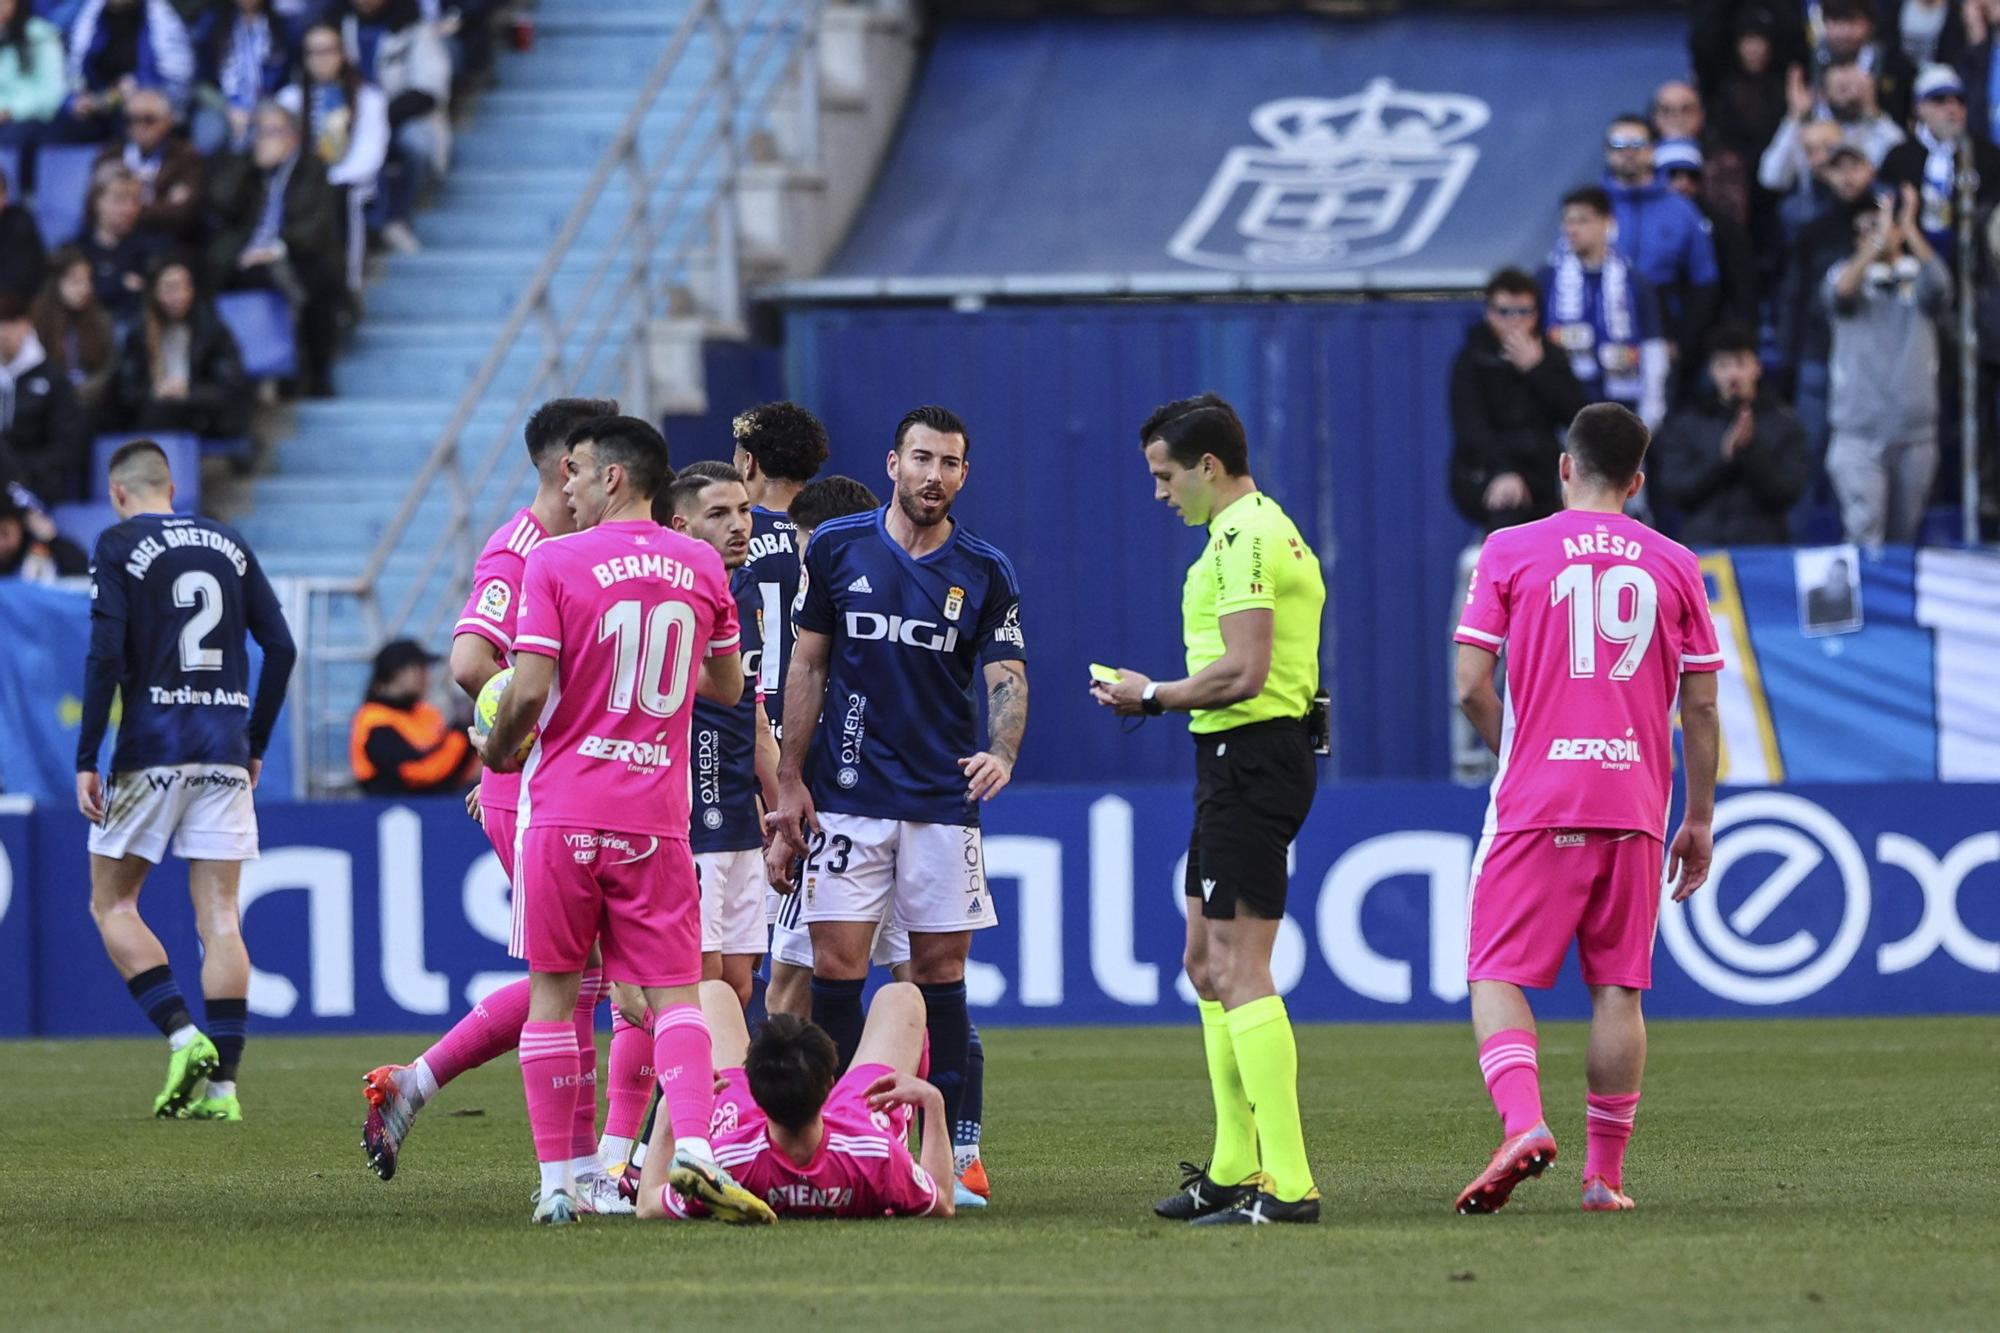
(62, 184)
(10, 164)
(183, 456)
(262, 323)
(81, 521)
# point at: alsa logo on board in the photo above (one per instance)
(1339, 183)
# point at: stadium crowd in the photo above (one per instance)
(1767, 274)
(177, 150)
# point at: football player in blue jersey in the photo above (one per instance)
(779, 448)
(172, 597)
(880, 774)
(791, 960)
(734, 754)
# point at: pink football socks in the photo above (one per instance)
(1513, 1079)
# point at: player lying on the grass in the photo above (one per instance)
(807, 1143)
(1606, 625)
(171, 598)
(482, 645)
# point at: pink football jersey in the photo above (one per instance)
(629, 610)
(863, 1167)
(1599, 616)
(491, 612)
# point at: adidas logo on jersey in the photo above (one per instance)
(860, 585)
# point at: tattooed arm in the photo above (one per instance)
(1007, 718)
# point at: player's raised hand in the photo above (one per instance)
(1688, 859)
(892, 1090)
(90, 796)
(987, 773)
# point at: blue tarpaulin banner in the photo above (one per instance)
(1279, 151)
(1881, 899)
(46, 633)
(1850, 666)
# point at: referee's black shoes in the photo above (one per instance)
(1263, 1206)
(1200, 1197)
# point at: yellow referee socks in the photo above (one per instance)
(1235, 1157)
(1267, 1055)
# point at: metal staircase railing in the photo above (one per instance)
(675, 253)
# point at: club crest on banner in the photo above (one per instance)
(1339, 183)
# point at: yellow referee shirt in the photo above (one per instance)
(1255, 559)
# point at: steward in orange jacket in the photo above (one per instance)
(401, 745)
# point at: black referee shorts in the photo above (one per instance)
(1253, 786)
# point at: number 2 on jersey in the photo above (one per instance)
(200, 589)
(643, 669)
(1599, 610)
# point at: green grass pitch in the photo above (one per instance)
(1811, 1174)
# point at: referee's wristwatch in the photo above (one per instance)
(1149, 699)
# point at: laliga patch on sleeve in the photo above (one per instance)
(493, 600)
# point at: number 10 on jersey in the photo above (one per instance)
(1600, 608)
(643, 668)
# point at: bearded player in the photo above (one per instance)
(879, 780)
(482, 646)
(1605, 623)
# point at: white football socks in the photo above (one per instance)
(420, 1086)
(182, 1036)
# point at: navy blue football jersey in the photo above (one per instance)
(773, 571)
(724, 746)
(909, 637)
(171, 598)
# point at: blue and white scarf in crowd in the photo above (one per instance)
(1940, 186)
(242, 75)
(1597, 322)
(166, 57)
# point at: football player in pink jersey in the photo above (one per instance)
(612, 619)
(482, 645)
(1605, 624)
(810, 1144)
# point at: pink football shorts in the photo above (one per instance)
(499, 821)
(1535, 890)
(634, 894)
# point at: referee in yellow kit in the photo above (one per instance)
(1250, 612)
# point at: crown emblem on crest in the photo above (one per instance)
(1376, 119)
(1338, 183)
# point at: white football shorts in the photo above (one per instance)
(204, 809)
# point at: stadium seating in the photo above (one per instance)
(262, 323)
(183, 456)
(62, 187)
(10, 164)
(518, 168)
